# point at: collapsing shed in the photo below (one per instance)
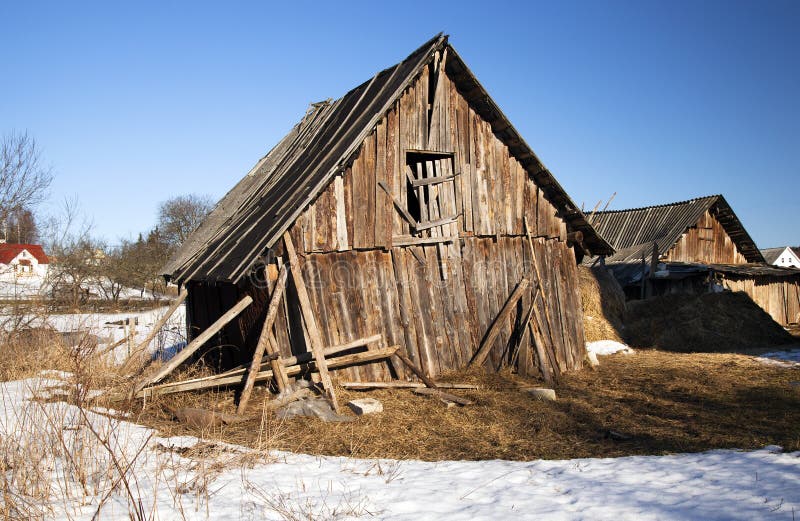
(421, 219)
(692, 246)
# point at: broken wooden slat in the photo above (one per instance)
(442, 395)
(407, 216)
(195, 344)
(494, 330)
(264, 345)
(406, 240)
(424, 225)
(355, 343)
(310, 321)
(210, 382)
(432, 180)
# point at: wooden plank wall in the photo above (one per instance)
(706, 242)
(780, 297)
(439, 313)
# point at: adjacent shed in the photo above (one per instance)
(419, 216)
(692, 246)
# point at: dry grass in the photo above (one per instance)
(665, 402)
(713, 322)
(603, 303)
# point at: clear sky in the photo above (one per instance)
(657, 101)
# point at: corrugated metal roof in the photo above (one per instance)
(633, 231)
(255, 213)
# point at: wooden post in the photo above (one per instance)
(653, 268)
(195, 344)
(644, 279)
(536, 313)
(131, 334)
(494, 329)
(308, 318)
(265, 345)
(522, 351)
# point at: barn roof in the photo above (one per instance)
(9, 251)
(632, 232)
(255, 213)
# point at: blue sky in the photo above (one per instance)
(657, 101)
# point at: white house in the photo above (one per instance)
(23, 260)
(784, 256)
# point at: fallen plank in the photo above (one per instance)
(442, 395)
(262, 345)
(494, 329)
(227, 379)
(404, 385)
(195, 344)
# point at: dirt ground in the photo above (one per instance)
(650, 402)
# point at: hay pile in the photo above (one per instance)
(714, 322)
(603, 303)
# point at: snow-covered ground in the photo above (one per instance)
(229, 482)
(36, 286)
(789, 358)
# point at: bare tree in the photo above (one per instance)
(23, 178)
(76, 255)
(181, 215)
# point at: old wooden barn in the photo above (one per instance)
(694, 245)
(420, 219)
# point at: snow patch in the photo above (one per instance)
(607, 347)
(789, 358)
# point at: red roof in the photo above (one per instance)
(9, 251)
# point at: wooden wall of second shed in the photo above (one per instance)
(706, 242)
(778, 296)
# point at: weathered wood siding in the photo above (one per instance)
(707, 242)
(780, 297)
(490, 193)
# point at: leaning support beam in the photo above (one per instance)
(416, 370)
(153, 332)
(195, 344)
(263, 345)
(494, 329)
(310, 321)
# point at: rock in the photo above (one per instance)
(365, 406)
(540, 393)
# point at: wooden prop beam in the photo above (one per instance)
(265, 345)
(156, 328)
(310, 321)
(195, 344)
(539, 280)
(494, 329)
(521, 349)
